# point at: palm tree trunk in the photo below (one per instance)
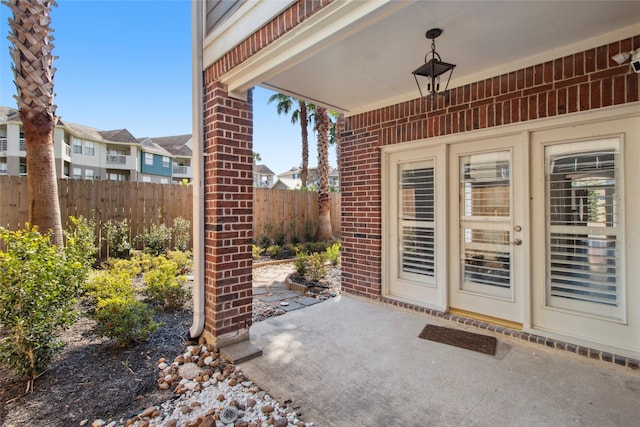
(304, 122)
(33, 71)
(44, 206)
(324, 213)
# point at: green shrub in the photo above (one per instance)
(38, 286)
(145, 261)
(183, 260)
(264, 241)
(181, 233)
(80, 245)
(275, 251)
(333, 253)
(317, 266)
(279, 235)
(130, 266)
(124, 319)
(105, 284)
(117, 235)
(300, 263)
(314, 247)
(166, 286)
(256, 251)
(155, 239)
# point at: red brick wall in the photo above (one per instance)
(228, 182)
(228, 200)
(583, 81)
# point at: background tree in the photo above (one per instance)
(335, 136)
(33, 71)
(301, 115)
(324, 212)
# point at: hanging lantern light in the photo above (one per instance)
(431, 73)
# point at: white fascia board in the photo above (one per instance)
(549, 55)
(249, 17)
(327, 27)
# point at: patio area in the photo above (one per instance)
(354, 362)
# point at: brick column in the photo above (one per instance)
(228, 200)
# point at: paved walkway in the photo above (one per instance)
(354, 362)
(269, 287)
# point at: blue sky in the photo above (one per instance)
(127, 64)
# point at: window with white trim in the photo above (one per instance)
(77, 173)
(77, 146)
(583, 269)
(166, 162)
(148, 159)
(89, 148)
(88, 174)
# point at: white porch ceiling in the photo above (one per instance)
(358, 55)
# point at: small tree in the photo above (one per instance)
(38, 285)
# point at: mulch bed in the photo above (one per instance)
(93, 379)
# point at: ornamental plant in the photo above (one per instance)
(300, 263)
(105, 284)
(165, 285)
(118, 315)
(39, 283)
(156, 239)
(181, 233)
(124, 319)
(333, 253)
(183, 260)
(256, 251)
(117, 235)
(317, 266)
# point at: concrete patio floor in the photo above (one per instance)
(353, 362)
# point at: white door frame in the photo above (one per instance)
(431, 295)
(506, 307)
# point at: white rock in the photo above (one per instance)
(98, 423)
(208, 360)
(162, 366)
(189, 371)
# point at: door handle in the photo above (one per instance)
(517, 242)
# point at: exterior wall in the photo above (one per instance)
(157, 168)
(13, 153)
(228, 195)
(584, 81)
(228, 181)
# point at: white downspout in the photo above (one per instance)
(198, 170)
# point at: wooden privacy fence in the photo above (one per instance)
(294, 213)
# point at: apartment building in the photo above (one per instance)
(83, 152)
(179, 147)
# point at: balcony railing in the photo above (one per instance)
(3, 143)
(67, 150)
(117, 159)
(180, 170)
(23, 144)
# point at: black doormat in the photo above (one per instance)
(463, 339)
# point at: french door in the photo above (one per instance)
(416, 227)
(488, 227)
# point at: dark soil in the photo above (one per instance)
(92, 378)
